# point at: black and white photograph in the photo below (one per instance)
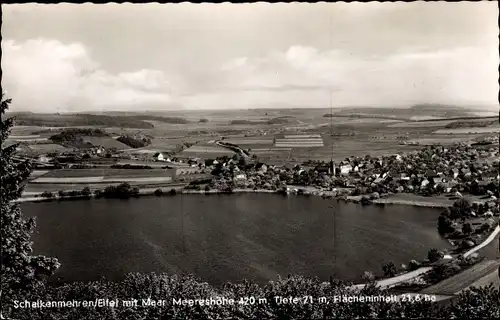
(323, 160)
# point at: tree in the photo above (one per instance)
(389, 269)
(86, 191)
(445, 225)
(413, 265)
(434, 255)
(368, 276)
(20, 271)
(47, 194)
(467, 228)
(463, 206)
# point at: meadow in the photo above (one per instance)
(107, 172)
(48, 148)
(206, 151)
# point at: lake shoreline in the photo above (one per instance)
(383, 200)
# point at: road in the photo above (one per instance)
(233, 147)
(492, 237)
(391, 282)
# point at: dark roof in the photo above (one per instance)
(156, 154)
(323, 168)
(431, 173)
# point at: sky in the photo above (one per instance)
(109, 57)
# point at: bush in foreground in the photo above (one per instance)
(151, 288)
(434, 255)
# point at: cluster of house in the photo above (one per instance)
(443, 169)
(181, 167)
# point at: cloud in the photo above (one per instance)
(305, 76)
(47, 75)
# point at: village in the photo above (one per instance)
(432, 171)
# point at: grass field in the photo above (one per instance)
(272, 155)
(463, 279)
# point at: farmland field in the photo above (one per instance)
(421, 124)
(250, 141)
(272, 153)
(34, 188)
(152, 164)
(343, 148)
(299, 141)
(28, 136)
(468, 130)
(442, 140)
(207, 150)
(27, 140)
(107, 172)
(48, 148)
(101, 179)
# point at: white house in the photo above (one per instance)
(100, 150)
(44, 159)
(158, 156)
(345, 169)
(240, 176)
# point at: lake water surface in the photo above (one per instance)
(223, 238)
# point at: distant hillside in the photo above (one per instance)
(471, 124)
(245, 122)
(73, 120)
(415, 112)
(282, 120)
(171, 120)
